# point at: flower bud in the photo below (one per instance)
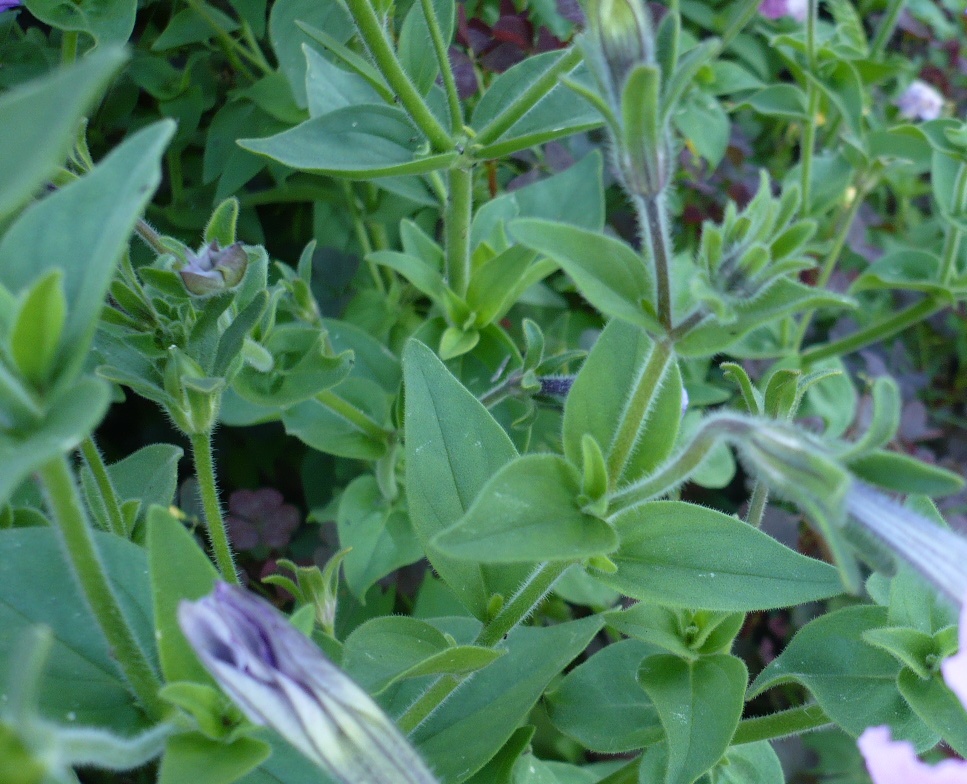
(214, 268)
(794, 466)
(279, 678)
(622, 31)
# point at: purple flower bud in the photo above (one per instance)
(214, 268)
(9, 5)
(280, 679)
(556, 386)
(776, 9)
(920, 101)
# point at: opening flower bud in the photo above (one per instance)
(279, 678)
(214, 268)
(622, 31)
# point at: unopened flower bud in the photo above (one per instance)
(622, 31)
(794, 466)
(279, 678)
(214, 268)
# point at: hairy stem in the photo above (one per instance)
(81, 552)
(520, 606)
(457, 225)
(794, 721)
(109, 496)
(373, 35)
(656, 239)
(443, 59)
(201, 451)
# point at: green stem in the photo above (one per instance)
(371, 31)
(808, 142)
(353, 415)
(457, 227)
(875, 332)
(229, 45)
(109, 496)
(68, 46)
(951, 247)
(257, 56)
(150, 237)
(526, 101)
(362, 237)
(829, 263)
(636, 409)
(516, 610)
(656, 240)
(680, 467)
(201, 450)
(887, 25)
(794, 721)
(77, 538)
(757, 504)
(449, 83)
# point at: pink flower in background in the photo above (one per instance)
(776, 9)
(920, 101)
(895, 761)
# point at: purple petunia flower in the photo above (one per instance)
(9, 5)
(920, 101)
(280, 678)
(776, 9)
(214, 268)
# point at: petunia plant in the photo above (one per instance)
(379, 403)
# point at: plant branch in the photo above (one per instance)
(109, 496)
(794, 721)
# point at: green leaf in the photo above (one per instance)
(528, 512)
(500, 768)
(69, 419)
(938, 707)
(459, 738)
(148, 477)
(608, 273)
(905, 474)
(778, 100)
(322, 422)
(189, 26)
(83, 229)
(853, 682)
(884, 420)
(496, 284)
(909, 270)
(288, 37)
(359, 142)
(37, 328)
(453, 447)
(781, 298)
(423, 274)
(699, 704)
(683, 555)
(380, 537)
(187, 754)
(601, 705)
(386, 650)
(82, 684)
(329, 87)
(414, 48)
(557, 114)
(39, 119)
(106, 21)
(179, 570)
(626, 387)
(750, 763)
(705, 125)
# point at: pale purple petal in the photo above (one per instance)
(776, 9)
(8, 5)
(920, 101)
(895, 762)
